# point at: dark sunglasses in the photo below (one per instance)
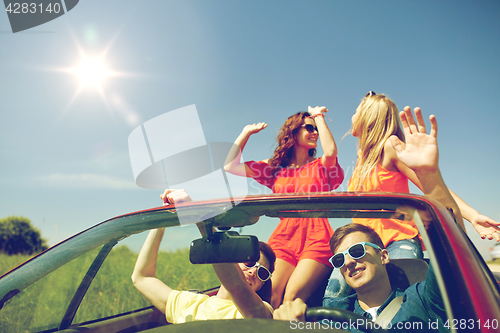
(357, 251)
(310, 128)
(370, 93)
(262, 272)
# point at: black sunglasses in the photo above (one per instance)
(356, 251)
(370, 93)
(310, 128)
(262, 272)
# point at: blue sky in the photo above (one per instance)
(64, 155)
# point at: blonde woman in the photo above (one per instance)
(379, 169)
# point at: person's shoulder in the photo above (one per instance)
(389, 157)
(260, 163)
(189, 294)
(389, 149)
(315, 161)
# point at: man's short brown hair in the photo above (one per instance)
(347, 229)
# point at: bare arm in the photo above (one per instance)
(247, 301)
(420, 153)
(230, 275)
(485, 226)
(144, 275)
(291, 310)
(232, 278)
(233, 160)
(412, 175)
(325, 136)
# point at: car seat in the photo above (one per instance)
(405, 272)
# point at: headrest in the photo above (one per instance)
(405, 272)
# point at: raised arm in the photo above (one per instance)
(420, 153)
(233, 160)
(244, 297)
(485, 226)
(230, 275)
(144, 275)
(247, 301)
(325, 136)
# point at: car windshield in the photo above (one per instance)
(87, 279)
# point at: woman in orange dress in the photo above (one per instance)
(301, 244)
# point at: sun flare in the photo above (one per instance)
(93, 76)
(92, 72)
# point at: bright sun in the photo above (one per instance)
(92, 73)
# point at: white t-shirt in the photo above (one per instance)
(373, 312)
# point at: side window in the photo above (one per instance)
(112, 291)
(41, 306)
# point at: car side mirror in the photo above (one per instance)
(224, 247)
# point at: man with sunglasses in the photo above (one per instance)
(360, 255)
(237, 296)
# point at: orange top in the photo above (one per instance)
(389, 230)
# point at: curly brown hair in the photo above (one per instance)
(286, 141)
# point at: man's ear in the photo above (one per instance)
(384, 255)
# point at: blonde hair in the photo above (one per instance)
(377, 119)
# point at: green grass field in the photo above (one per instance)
(43, 304)
(9, 262)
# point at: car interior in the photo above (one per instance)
(82, 303)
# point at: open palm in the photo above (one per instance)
(420, 150)
(255, 128)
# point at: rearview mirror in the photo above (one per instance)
(223, 247)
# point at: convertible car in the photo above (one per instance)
(83, 283)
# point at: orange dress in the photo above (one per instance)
(389, 230)
(295, 239)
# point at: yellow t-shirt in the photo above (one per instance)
(185, 306)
